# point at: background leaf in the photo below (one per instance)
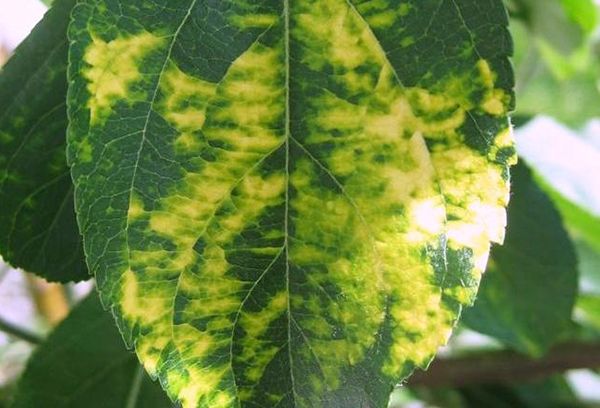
(582, 12)
(84, 364)
(37, 220)
(553, 392)
(528, 293)
(580, 222)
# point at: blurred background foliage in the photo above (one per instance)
(533, 337)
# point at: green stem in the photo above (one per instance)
(135, 387)
(19, 332)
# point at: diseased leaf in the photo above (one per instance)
(287, 203)
(84, 364)
(38, 230)
(527, 296)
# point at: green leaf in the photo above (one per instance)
(37, 220)
(581, 223)
(588, 309)
(287, 203)
(583, 12)
(84, 364)
(527, 296)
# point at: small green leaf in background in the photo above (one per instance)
(588, 310)
(84, 364)
(38, 230)
(580, 222)
(583, 12)
(527, 295)
(288, 203)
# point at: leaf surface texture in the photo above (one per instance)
(287, 203)
(38, 230)
(84, 364)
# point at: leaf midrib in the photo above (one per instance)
(286, 41)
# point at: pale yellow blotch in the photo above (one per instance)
(256, 324)
(419, 310)
(477, 194)
(136, 207)
(184, 103)
(113, 67)
(384, 19)
(427, 218)
(413, 179)
(334, 21)
(494, 103)
(407, 41)
(201, 382)
(486, 73)
(200, 342)
(188, 142)
(506, 138)
(495, 100)
(246, 21)
(503, 140)
(136, 304)
(130, 293)
(84, 153)
(359, 277)
(257, 353)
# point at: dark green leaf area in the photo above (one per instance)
(38, 230)
(85, 364)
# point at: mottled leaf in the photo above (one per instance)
(526, 298)
(85, 364)
(287, 203)
(38, 230)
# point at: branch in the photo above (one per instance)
(19, 332)
(507, 366)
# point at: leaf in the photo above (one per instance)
(287, 203)
(526, 298)
(582, 12)
(37, 219)
(84, 364)
(588, 308)
(581, 223)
